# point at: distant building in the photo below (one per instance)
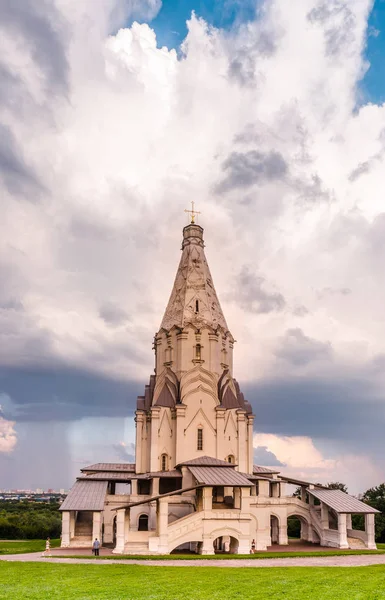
(193, 485)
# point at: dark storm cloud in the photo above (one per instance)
(40, 28)
(340, 34)
(15, 173)
(65, 394)
(250, 294)
(298, 349)
(263, 456)
(349, 409)
(112, 314)
(244, 169)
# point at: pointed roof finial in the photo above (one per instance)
(193, 212)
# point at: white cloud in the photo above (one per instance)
(105, 140)
(8, 436)
(303, 460)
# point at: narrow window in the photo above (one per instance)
(196, 305)
(143, 523)
(164, 462)
(200, 439)
(198, 352)
(231, 459)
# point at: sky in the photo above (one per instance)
(114, 116)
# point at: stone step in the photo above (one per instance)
(356, 543)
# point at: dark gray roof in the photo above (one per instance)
(219, 476)
(86, 495)
(117, 476)
(123, 467)
(295, 481)
(258, 469)
(341, 502)
(206, 461)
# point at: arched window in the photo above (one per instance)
(231, 459)
(143, 523)
(163, 462)
(198, 352)
(200, 439)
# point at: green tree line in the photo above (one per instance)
(29, 520)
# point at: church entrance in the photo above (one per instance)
(226, 544)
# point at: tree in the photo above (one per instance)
(375, 497)
(337, 485)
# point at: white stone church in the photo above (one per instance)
(194, 485)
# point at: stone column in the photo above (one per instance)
(324, 516)
(134, 487)
(213, 353)
(250, 447)
(349, 522)
(72, 524)
(220, 414)
(242, 449)
(370, 531)
(66, 535)
(139, 421)
(282, 535)
(96, 525)
(120, 526)
(263, 488)
(282, 489)
(208, 545)
(154, 458)
(237, 497)
(155, 486)
(207, 498)
(303, 493)
(162, 525)
(181, 338)
(245, 500)
(180, 413)
(342, 535)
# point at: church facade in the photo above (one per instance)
(194, 485)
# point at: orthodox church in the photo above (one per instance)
(194, 486)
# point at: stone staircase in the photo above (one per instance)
(137, 548)
(356, 543)
(83, 525)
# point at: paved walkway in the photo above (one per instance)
(311, 561)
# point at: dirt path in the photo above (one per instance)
(311, 561)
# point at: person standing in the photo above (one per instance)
(252, 551)
(95, 547)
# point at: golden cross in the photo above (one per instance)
(193, 212)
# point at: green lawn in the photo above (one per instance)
(36, 581)
(23, 546)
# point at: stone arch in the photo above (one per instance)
(143, 522)
(308, 532)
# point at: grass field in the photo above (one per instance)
(23, 546)
(34, 581)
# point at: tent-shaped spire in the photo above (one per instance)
(193, 298)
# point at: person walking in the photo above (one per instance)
(95, 547)
(47, 551)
